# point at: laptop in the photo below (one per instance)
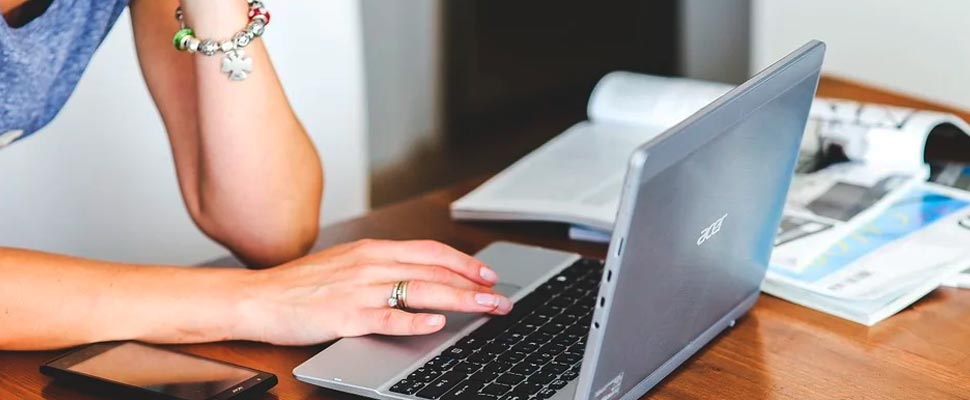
(700, 208)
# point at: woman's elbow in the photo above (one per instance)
(266, 243)
(274, 247)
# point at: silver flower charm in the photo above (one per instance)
(237, 65)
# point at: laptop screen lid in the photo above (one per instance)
(701, 205)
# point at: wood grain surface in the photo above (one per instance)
(779, 351)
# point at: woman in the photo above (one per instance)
(249, 177)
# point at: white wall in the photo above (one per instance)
(402, 47)
(715, 39)
(915, 47)
(99, 181)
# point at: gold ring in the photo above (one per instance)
(403, 297)
(399, 296)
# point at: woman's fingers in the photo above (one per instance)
(389, 321)
(425, 295)
(429, 252)
(384, 273)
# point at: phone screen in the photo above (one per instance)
(157, 370)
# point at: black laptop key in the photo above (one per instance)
(407, 386)
(442, 385)
(484, 376)
(510, 379)
(577, 331)
(496, 389)
(424, 375)
(466, 368)
(555, 369)
(566, 319)
(537, 359)
(576, 292)
(553, 348)
(558, 384)
(509, 338)
(527, 388)
(544, 357)
(537, 318)
(470, 343)
(492, 328)
(480, 358)
(568, 358)
(441, 363)
(511, 357)
(524, 328)
(546, 393)
(464, 390)
(564, 340)
(553, 328)
(569, 375)
(494, 348)
(540, 338)
(525, 368)
(562, 301)
(497, 367)
(543, 314)
(456, 352)
(515, 396)
(526, 347)
(543, 377)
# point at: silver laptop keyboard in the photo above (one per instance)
(531, 353)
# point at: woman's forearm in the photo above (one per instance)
(255, 155)
(49, 301)
(249, 174)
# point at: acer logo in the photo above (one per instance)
(710, 231)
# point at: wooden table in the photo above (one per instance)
(780, 350)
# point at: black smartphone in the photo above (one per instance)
(139, 370)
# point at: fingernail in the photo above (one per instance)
(488, 275)
(504, 305)
(488, 300)
(435, 320)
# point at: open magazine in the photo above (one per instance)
(824, 206)
(576, 178)
(887, 264)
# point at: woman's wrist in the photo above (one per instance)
(194, 305)
(249, 306)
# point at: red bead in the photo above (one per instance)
(259, 12)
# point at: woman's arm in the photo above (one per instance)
(49, 301)
(248, 173)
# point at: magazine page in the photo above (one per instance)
(955, 176)
(638, 99)
(824, 206)
(878, 135)
(921, 236)
(575, 178)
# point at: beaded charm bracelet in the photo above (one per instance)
(236, 63)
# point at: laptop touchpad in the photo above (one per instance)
(507, 289)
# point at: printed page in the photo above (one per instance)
(878, 135)
(922, 232)
(825, 206)
(575, 178)
(638, 99)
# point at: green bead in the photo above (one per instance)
(179, 36)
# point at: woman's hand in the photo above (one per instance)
(343, 291)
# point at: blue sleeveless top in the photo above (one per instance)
(41, 62)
